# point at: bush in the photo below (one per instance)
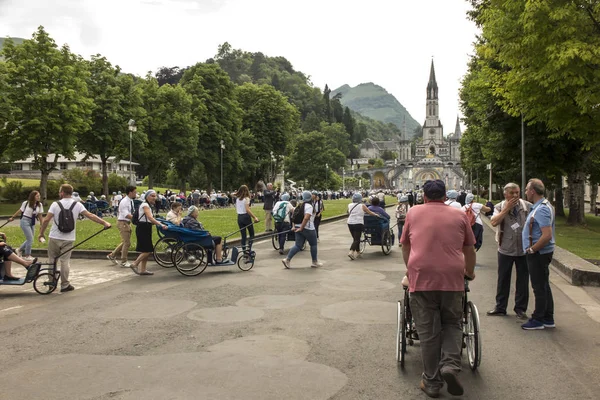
(116, 183)
(84, 181)
(53, 188)
(13, 191)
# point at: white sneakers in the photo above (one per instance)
(286, 263)
(110, 257)
(315, 264)
(351, 255)
(125, 264)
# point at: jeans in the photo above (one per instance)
(245, 222)
(305, 235)
(505, 264)
(356, 232)
(400, 227)
(438, 317)
(282, 227)
(478, 232)
(29, 231)
(538, 265)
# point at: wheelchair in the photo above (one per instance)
(191, 251)
(377, 232)
(406, 333)
(290, 236)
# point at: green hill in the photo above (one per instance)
(375, 102)
(15, 40)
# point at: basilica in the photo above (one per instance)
(431, 156)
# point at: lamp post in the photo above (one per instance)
(326, 178)
(273, 159)
(132, 128)
(343, 179)
(222, 148)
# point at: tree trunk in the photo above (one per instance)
(150, 179)
(559, 198)
(44, 184)
(593, 195)
(576, 183)
(104, 176)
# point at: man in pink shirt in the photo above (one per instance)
(437, 246)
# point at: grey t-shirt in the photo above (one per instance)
(510, 229)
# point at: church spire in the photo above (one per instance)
(457, 132)
(404, 132)
(432, 87)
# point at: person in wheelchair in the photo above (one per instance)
(191, 222)
(8, 256)
(376, 208)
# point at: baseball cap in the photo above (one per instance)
(434, 189)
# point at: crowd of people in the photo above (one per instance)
(448, 222)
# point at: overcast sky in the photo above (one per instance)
(388, 42)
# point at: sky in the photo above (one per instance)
(388, 42)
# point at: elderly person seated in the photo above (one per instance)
(8, 256)
(191, 222)
(376, 208)
(175, 216)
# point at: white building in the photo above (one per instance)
(25, 168)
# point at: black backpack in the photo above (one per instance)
(66, 219)
(298, 214)
(135, 217)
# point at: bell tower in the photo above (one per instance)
(433, 131)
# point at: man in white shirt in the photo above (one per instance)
(60, 241)
(124, 216)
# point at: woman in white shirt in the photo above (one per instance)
(30, 211)
(143, 233)
(245, 215)
(477, 227)
(356, 223)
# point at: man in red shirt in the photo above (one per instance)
(437, 246)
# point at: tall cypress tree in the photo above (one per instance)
(327, 104)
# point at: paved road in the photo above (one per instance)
(271, 334)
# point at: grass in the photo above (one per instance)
(219, 222)
(578, 240)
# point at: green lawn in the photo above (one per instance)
(219, 222)
(581, 241)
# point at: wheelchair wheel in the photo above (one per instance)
(401, 335)
(191, 259)
(245, 261)
(363, 243)
(275, 241)
(163, 252)
(45, 283)
(386, 243)
(472, 336)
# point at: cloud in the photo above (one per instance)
(200, 6)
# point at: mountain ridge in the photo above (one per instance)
(374, 101)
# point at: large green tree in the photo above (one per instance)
(271, 119)
(116, 100)
(46, 93)
(550, 50)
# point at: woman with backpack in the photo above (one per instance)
(356, 223)
(143, 219)
(245, 215)
(474, 211)
(401, 210)
(319, 208)
(282, 211)
(304, 227)
(30, 211)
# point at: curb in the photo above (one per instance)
(571, 267)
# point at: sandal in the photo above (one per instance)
(134, 268)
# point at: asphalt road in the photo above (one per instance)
(271, 333)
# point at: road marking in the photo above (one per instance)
(11, 308)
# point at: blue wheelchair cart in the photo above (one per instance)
(191, 251)
(377, 232)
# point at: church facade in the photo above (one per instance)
(431, 156)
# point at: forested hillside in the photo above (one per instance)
(15, 41)
(375, 102)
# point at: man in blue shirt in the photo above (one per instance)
(538, 240)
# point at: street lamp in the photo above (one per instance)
(132, 128)
(273, 159)
(326, 178)
(222, 148)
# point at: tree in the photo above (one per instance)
(170, 75)
(349, 123)
(271, 120)
(310, 154)
(212, 91)
(337, 137)
(49, 107)
(116, 100)
(552, 75)
(171, 129)
(327, 113)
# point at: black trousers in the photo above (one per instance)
(245, 224)
(539, 272)
(356, 232)
(478, 232)
(282, 227)
(317, 224)
(505, 264)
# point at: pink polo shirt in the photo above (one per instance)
(436, 234)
